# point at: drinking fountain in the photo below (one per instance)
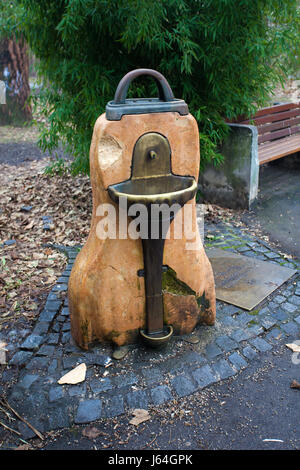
(144, 151)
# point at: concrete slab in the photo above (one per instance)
(245, 281)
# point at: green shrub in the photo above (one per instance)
(222, 56)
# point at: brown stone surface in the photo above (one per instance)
(245, 281)
(181, 311)
(106, 297)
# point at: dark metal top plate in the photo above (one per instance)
(115, 111)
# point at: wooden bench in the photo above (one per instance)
(278, 131)
(235, 184)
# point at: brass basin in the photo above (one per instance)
(167, 189)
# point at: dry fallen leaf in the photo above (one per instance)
(295, 384)
(38, 256)
(23, 447)
(272, 440)
(91, 432)
(192, 339)
(50, 280)
(294, 347)
(2, 357)
(29, 226)
(75, 376)
(140, 416)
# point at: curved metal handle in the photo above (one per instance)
(165, 91)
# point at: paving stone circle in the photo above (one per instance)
(144, 377)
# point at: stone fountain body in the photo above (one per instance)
(146, 151)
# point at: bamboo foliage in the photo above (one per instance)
(222, 56)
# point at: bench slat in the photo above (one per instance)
(277, 108)
(277, 149)
(264, 128)
(265, 111)
(281, 145)
(273, 117)
(272, 136)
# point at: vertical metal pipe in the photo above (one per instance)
(153, 259)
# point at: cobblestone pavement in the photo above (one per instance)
(145, 377)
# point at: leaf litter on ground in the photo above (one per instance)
(29, 269)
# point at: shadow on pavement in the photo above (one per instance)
(278, 208)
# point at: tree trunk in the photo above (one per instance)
(14, 71)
